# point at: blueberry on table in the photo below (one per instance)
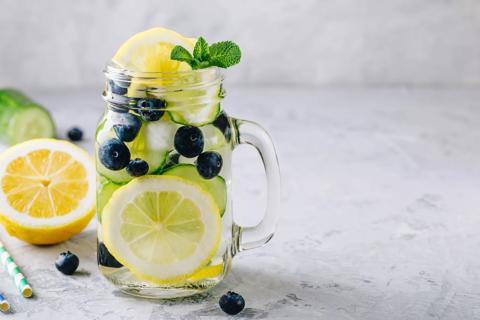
(127, 126)
(151, 109)
(104, 258)
(223, 125)
(114, 154)
(209, 164)
(119, 87)
(75, 134)
(231, 303)
(137, 167)
(189, 141)
(67, 263)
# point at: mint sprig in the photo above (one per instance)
(222, 54)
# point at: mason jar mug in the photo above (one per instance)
(163, 158)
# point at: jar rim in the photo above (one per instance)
(114, 71)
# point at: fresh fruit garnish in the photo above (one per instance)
(67, 263)
(149, 51)
(104, 258)
(209, 164)
(150, 109)
(223, 125)
(75, 134)
(231, 303)
(22, 119)
(162, 228)
(126, 126)
(47, 190)
(216, 186)
(137, 167)
(114, 154)
(189, 141)
(152, 144)
(221, 54)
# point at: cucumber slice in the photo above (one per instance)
(194, 107)
(105, 190)
(216, 186)
(30, 123)
(195, 115)
(22, 119)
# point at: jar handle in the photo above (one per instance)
(248, 132)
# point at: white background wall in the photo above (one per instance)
(58, 43)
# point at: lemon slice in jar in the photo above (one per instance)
(164, 229)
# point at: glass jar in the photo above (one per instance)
(163, 159)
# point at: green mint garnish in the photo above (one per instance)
(222, 54)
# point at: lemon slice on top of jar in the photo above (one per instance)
(149, 51)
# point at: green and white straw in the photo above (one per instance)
(14, 272)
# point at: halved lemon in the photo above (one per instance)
(149, 51)
(47, 190)
(162, 228)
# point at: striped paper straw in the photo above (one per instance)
(15, 273)
(4, 305)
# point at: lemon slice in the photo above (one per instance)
(149, 51)
(47, 190)
(162, 228)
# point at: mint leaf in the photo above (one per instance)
(224, 54)
(221, 54)
(201, 51)
(179, 53)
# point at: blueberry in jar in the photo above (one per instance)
(118, 87)
(151, 109)
(67, 263)
(189, 141)
(209, 164)
(114, 154)
(127, 126)
(231, 303)
(137, 167)
(105, 258)
(223, 125)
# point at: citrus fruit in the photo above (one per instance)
(149, 51)
(47, 190)
(162, 228)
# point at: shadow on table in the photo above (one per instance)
(246, 281)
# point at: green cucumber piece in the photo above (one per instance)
(21, 119)
(105, 190)
(216, 186)
(194, 107)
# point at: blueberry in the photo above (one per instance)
(119, 87)
(75, 134)
(231, 303)
(67, 263)
(209, 164)
(189, 141)
(114, 154)
(223, 125)
(127, 126)
(104, 258)
(137, 167)
(151, 109)
(172, 160)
